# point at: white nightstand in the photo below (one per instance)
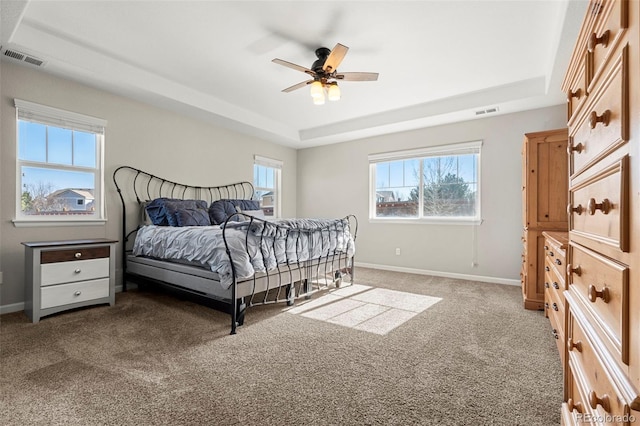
(62, 275)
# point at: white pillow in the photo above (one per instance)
(255, 213)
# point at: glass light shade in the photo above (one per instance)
(318, 100)
(334, 92)
(317, 90)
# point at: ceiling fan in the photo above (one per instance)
(325, 74)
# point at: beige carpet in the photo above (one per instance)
(475, 357)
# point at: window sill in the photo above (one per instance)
(411, 221)
(24, 223)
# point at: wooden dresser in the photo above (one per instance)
(555, 267)
(544, 205)
(602, 311)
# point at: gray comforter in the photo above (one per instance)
(254, 246)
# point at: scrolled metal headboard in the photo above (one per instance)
(144, 186)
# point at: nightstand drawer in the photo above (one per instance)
(79, 270)
(74, 254)
(65, 294)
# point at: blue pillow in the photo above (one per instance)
(192, 217)
(162, 211)
(220, 210)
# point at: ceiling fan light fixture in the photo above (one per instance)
(317, 91)
(318, 100)
(333, 91)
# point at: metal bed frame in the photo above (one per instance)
(288, 281)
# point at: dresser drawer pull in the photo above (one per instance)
(594, 294)
(558, 262)
(576, 94)
(594, 118)
(546, 285)
(78, 255)
(575, 270)
(578, 148)
(77, 271)
(578, 209)
(551, 254)
(556, 286)
(594, 40)
(77, 293)
(604, 401)
(555, 306)
(546, 247)
(574, 405)
(555, 334)
(574, 345)
(604, 206)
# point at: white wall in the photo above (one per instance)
(333, 181)
(153, 139)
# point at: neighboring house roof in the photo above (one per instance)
(386, 195)
(87, 194)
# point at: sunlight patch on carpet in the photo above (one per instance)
(375, 310)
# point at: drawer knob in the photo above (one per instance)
(578, 148)
(546, 285)
(604, 206)
(546, 247)
(551, 254)
(594, 118)
(594, 40)
(555, 306)
(571, 345)
(595, 294)
(546, 268)
(77, 293)
(77, 271)
(574, 405)
(594, 401)
(556, 286)
(558, 262)
(577, 209)
(554, 332)
(78, 255)
(574, 94)
(571, 270)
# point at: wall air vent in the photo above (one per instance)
(23, 57)
(487, 111)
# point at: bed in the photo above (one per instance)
(214, 242)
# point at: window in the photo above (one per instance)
(436, 184)
(59, 165)
(266, 180)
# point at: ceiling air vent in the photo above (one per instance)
(487, 111)
(23, 57)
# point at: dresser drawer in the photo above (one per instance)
(610, 22)
(70, 255)
(603, 286)
(65, 294)
(602, 125)
(600, 393)
(598, 205)
(79, 270)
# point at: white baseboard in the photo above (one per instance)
(17, 307)
(14, 307)
(481, 278)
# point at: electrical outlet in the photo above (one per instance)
(397, 251)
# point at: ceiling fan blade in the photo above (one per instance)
(293, 66)
(357, 76)
(335, 57)
(297, 86)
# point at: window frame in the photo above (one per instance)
(59, 118)
(473, 147)
(277, 166)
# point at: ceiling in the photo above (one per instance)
(439, 61)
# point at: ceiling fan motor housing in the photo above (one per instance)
(322, 53)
